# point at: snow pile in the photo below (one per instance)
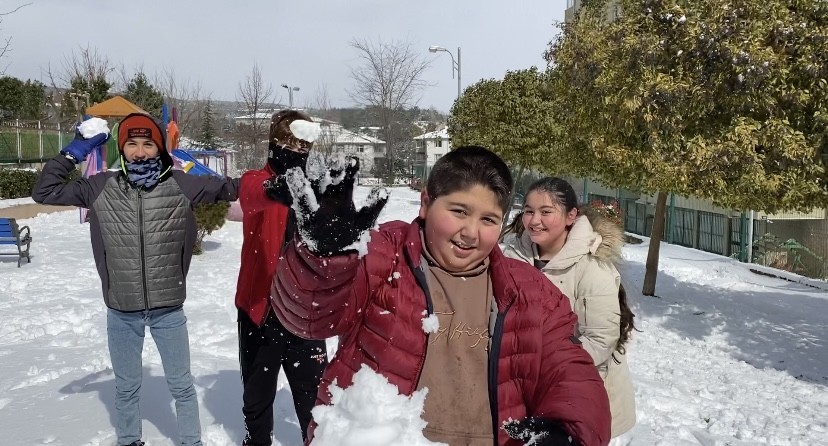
(92, 127)
(371, 412)
(305, 130)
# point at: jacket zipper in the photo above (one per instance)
(422, 281)
(141, 241)
(494, 356)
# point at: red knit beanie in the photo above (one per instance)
(139, 125)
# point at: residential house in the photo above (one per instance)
(429, 148)
(335, 138)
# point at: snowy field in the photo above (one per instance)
(724, 356)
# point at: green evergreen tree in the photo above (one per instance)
(512, 117)
(142, 93)
(207, 137)
(719, 99)
(75, 98)
(21, 100)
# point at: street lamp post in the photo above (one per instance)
(290, 93)
(455, 64)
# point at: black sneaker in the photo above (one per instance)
(137, 443)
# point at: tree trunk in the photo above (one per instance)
(651, 269)
(519, 177)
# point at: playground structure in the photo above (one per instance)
(35, 142)
(29, 144)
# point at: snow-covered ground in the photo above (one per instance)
(724, 356)
(15, 201)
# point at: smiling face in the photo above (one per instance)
(547, 222)
(137, 149)
(461, 228)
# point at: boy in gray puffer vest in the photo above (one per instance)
(143, 229)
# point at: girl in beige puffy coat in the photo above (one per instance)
(577, 253)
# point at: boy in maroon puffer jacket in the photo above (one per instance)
(502, 367)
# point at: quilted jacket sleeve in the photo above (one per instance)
(319, 297)
(570, 390)
(52, 187)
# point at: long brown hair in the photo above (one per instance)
(627, 317)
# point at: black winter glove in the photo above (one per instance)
(537, 431)
(327, 219)
(276, 189)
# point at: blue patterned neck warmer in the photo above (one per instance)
(144, 173)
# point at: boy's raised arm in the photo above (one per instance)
(318, 297)
(321, 286)
(51, 186)
(207, 189)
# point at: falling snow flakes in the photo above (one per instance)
(396, 275)
(431, 324)
(384, 312)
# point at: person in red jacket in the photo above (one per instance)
(264, 344)
(435, 304)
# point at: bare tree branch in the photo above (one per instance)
(5, 47)
(254, 96)
(388, 78)
(186, 98)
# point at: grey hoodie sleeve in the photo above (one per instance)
(207, 189)
(52, 188)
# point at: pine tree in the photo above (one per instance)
(207, 138)
(95, 91)
(143, 94)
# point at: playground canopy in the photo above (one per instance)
(114, 107)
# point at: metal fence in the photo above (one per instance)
(31, 141)
(794, 241)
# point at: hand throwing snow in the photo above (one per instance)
(328, 220)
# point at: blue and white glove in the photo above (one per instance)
(80, 147)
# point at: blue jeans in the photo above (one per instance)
(168, 327)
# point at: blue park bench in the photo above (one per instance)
(20, 237)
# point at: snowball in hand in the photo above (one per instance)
(371, 412)
(92, 127)
(305, 130)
